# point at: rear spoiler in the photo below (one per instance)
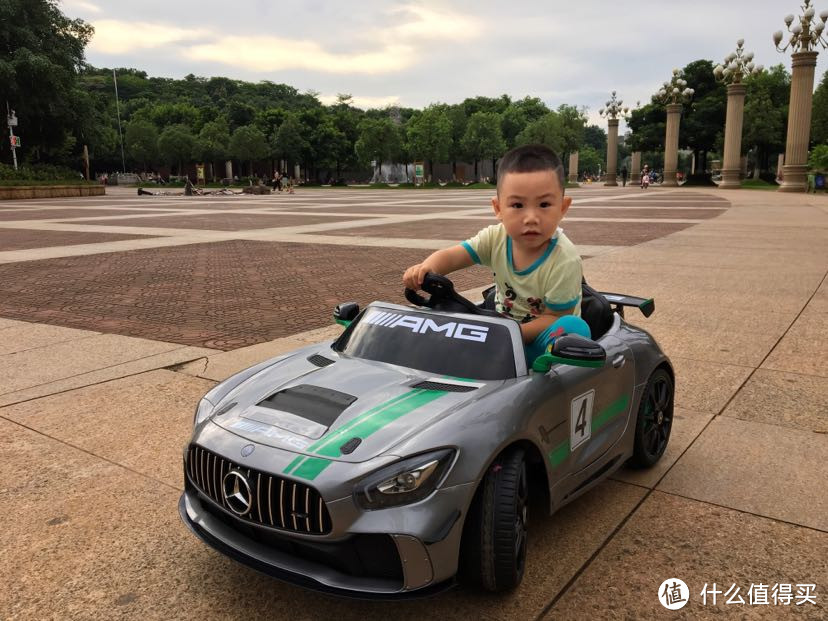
(646, 306)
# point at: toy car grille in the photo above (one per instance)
(320, 361)
(274, 501)
(444, 387)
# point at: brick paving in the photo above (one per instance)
(234, 291)
(223, 295)
(21, 239)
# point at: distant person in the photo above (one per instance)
(624, 176)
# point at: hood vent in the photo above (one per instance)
(321, 405)
(320, 361)
(429, 385)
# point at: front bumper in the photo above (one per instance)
(371, 566)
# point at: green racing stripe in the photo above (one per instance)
(362, 426)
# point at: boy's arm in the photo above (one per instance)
(443, 262)
(531, 329)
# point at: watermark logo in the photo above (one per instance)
(673, 594)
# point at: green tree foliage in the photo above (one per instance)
(175, 145)
(248, 143)
(590, 161)
(429, 135)
(547, 130)
(819, 158)
(819, 114)
(648, 125)
(289, 142)
(379, 140)
(141, 142)
(573, 122)
(42, 54)
(766, 114)
(213, 143)
(483, 138)
(704, 117)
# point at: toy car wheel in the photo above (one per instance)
(494, 544)
(655, 420)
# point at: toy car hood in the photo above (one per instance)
(349, 410)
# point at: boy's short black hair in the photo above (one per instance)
(531, 158)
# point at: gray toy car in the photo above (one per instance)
(403, 454)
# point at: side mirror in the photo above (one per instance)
(573, 350)
(345, 313)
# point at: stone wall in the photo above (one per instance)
(49, 191)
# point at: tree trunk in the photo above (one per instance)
(454, 170)
(494, 168)
(476, 178)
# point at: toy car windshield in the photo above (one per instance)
(441, 344)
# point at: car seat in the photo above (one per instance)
(595, 308)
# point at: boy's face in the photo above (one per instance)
(530, 206)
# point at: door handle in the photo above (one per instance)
(619, 361)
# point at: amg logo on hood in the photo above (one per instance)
(421, 325)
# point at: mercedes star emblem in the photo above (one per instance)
(237, 492)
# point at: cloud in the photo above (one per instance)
(266, 53)
(118, 37)
(82, 5)
(364, 102)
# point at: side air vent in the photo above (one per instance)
(320, 361)
(445, 387)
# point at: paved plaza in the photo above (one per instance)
(118, 312)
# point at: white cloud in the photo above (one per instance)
(363, 102)
(119, 37)
(81, 5)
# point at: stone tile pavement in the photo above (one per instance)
(105, 348)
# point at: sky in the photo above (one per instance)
(417, 53)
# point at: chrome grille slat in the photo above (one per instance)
(307, 510)
(269, 499)
(207, 470)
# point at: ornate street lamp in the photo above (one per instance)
(635, 156)
(806, 36)
(737, 66)
(673, 94)
(614, 109)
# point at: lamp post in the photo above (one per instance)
(806, 34)
(613, 110)
(635, 159)
(737, 66)
(573, 167)
(673, 94)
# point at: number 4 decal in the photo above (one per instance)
(580, 419)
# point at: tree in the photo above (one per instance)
(379, 140)
(483, 138)
(766, 114)
(648, 125)
(704, 116)
(289, 142)
(819, 158)
(212, 143)
(248, 143)
(573, 122)
(512, 122)
(330, 144)
(42, 55)
(141, 142)
(175, 145)
(590, 160)
(819, 114)
(547, 130)
(429, 135)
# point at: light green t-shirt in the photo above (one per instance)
(553, 281)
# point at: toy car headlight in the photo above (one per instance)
(203, 411)
(405, 481)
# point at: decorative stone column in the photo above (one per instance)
(799, 123)
(228, 169)
(635, 167)
(780, 162)
(612, 152)
(731, 167)
(671, 145)
(573, 167)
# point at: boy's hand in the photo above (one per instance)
(413, 276)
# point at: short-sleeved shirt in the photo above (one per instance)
(553, 281)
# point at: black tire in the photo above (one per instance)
(494, 541)
(654, 421)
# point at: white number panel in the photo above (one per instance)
(580, 419)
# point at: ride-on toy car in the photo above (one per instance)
(403, 454)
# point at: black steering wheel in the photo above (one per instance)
(443, 297)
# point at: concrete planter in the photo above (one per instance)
(13, 192)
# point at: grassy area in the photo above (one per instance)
(758, 184)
